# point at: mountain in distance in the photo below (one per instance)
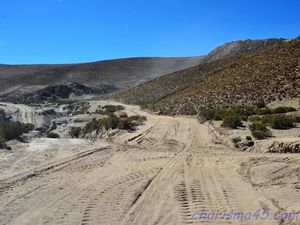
(121, 73)
(26, 82)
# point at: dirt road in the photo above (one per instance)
(169, 172)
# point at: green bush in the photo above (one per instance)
(75, 132)
(92, 125)
(10, 130)
(109, 122)
(278, 110)
(84, 107)
(232, 121)
(236, 140)
(261, 104)
(263, 111)
(53, 135)
(259, 131)
(211, 114)
(281, 122)
(243, 112)
(113, 108)
(248, 138)
(109, 109)
(255, 118)
(206, 114)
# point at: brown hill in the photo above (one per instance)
(121, 72)
(267, 74)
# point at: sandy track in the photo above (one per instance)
(164, 174)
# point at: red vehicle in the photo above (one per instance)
(123, 116)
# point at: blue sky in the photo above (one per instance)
(73, 31)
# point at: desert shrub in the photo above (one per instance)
(64, 101)
(137, 118)
(263, 111)
(75, 132)
(255, 118)
(84, 107)
(296, 119)
(211, 114)
(250, 143)
(278, 110)
(206, 114)
(261, 104)
(126, 125)
(281, 122)
(244, 112)
(232, 121)
(100, 111)
(53, 135)
(113, 108)
(109, 122)
(266, 119)
(236, 140)
(109, 109)
(92, 125)
(248, 138)
(259, 131)
(10, 130)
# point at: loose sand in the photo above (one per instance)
(165, 173)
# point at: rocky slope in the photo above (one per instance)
(53, 92)
(268, 73)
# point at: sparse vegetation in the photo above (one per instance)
(232, 121)
(278, 110)
(137, 118)
(84, 107)
(111, 122)
(219, 114)
(260, 131)
(253, 79)
(248, 138)
(75, 132)
(281, 122)
(239, 143)
(236, 140)
(113, 108)
(261, 104)
(255, 118)
(109, 109)
(64, 101)
(210, 114)
(53, 135)
(10, 130)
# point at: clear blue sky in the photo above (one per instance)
(65, 31)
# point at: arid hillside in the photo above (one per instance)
(121, 72)
(270, 73)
